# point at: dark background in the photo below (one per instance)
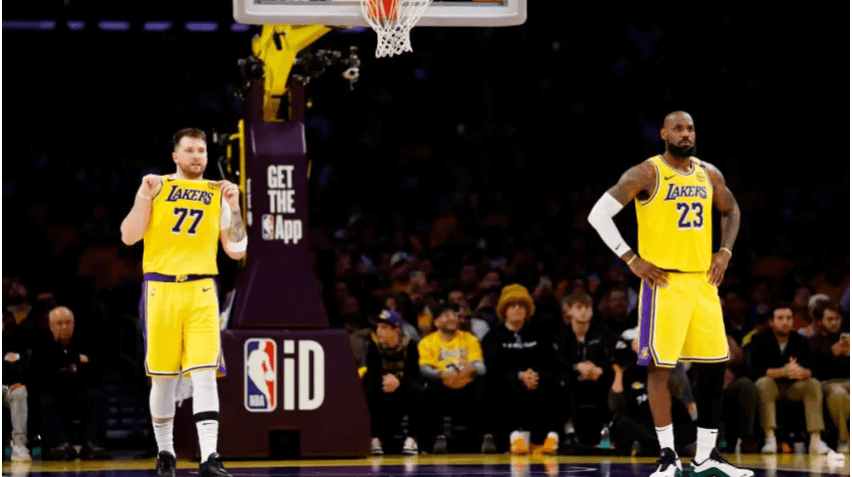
(535, 121)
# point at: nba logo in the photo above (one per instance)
(268, 224)
(261, 378)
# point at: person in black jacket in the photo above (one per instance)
(522, 377)
(779, 361)
(392, 383)
(633, 427)
(584, 353)
(66, 381)
(830, 349)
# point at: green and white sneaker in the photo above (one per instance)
(716, 465)
(668, 465)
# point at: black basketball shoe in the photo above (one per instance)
(213, 467)
(165, 464)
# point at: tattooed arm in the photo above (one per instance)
(233, 233)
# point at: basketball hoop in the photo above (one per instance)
(392, 21)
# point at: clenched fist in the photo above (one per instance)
(151, 184)
(231, 194)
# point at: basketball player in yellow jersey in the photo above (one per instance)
(680, 311)
(181, 217)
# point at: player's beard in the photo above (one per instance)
(680, 151)
(190, 174)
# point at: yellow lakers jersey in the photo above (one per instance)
(182, 234)
(675, 223)
(443, 355)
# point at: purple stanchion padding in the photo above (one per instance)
(277, 287)
(305, 380)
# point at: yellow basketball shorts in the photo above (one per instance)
(181, 323)
(681, 322)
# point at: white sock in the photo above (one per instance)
(164, 434)
(665, 436)
(706, 443)
(205, 407)
(208, 432)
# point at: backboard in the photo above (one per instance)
(441, 13)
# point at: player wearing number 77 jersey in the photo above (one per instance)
(180, 218)
(680, 311)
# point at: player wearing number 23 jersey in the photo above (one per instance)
(680, 312)
(683, 320)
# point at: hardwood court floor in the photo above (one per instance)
(788, 465)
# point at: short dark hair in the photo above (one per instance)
(780, 306)
(188, 132)
(819, 311)
(579, 298)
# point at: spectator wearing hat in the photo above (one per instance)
(522, 376)
(451, 362)
(392, 383)
(584, 351)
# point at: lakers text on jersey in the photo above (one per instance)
(453, 354)
(183, 231)
(675, 223)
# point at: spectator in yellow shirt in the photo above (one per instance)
(451, 362)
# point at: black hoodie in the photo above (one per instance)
(508, 353)
(403, 361)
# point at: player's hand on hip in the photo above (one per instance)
(649, 273)
(151, 184)
(231, 194)
(718, 267)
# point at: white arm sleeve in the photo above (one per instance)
(601, 219)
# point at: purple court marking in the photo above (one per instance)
(202, 26)
(157, 26)
(112, 25)
(29, 24)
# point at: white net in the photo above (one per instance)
(392, 21)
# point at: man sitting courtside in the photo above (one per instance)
(522, 376)
(392, 383)
(779, 361)
(451, 361)
(67, 381)
(587, 372)
(830, 349)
